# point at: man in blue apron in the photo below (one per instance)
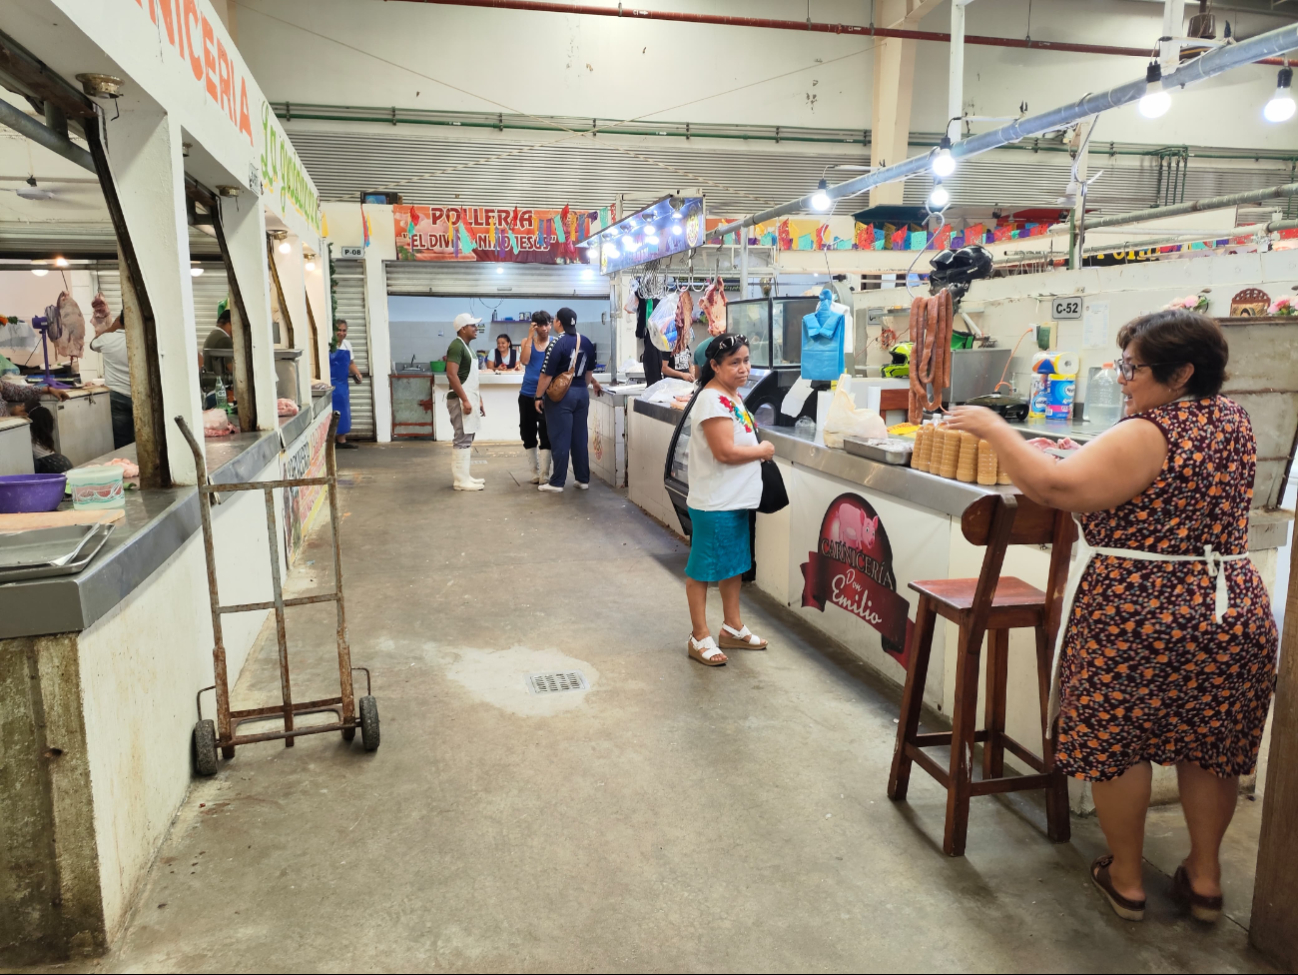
(341, 368)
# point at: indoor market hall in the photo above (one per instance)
(520, 486)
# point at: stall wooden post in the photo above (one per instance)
(1274, 930)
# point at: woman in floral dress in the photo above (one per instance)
(1169, 649)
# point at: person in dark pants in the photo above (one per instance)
(531, 422)
(566, 419)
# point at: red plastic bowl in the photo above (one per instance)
(31, 492)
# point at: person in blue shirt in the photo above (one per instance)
(531, 421)
(566, 420)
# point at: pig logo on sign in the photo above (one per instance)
(851, 568)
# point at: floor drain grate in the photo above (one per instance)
(556, 681)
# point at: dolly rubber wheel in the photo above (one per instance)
(205, 747)
(369, 710)
(349, 734)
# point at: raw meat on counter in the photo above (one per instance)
(286, 407)
(217, 424)
(1063, 443)
(129, 467)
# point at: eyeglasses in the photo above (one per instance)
(1127, 370)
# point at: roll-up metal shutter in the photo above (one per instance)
(349, 293)
(210, 289)
(460, 278)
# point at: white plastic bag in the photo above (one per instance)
(661, 326)
(845, 419)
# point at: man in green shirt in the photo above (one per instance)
(463, 402)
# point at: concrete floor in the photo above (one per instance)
(670, 818)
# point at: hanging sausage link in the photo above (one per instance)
(930, 359)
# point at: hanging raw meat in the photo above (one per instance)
(714, 305)
(684, 315)
(101, 319)
(72, 328)
(930, 356)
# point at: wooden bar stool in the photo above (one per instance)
(990, 604)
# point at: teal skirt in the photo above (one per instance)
(719, 545)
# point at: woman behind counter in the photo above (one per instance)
(505, 357)
(1169, 651)
(725, 485)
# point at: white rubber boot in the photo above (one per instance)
(468, 469)
(543, 465)
(460, 471)
(534, 460)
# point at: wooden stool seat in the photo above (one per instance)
(990, 605)
(952, 597)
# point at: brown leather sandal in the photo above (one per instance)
(1206, 909)
(1125, 908)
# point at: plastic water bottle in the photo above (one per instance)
(1104, 397)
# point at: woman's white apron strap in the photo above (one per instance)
(1082, 555)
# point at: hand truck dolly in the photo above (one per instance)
(223, 734)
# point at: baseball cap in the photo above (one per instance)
(567, 317)
(464, 318)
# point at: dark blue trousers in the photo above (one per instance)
(566, 423)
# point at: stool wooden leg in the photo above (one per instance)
(912, 698)
(998, 652)
(962, 740)
(1058, 825)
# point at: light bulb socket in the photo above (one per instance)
(1153, 73)
(1284, 77)
(945, 143)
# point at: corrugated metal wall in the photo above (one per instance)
(210, 289)
(460, 278)
(74, 239)
(349, 293)
(590, 172)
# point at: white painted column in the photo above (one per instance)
(317, 293)
(244, 222)
(144, 153)
(291, 280)
(380, 339)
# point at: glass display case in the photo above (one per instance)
(773, 326)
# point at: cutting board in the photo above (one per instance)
(57, 519)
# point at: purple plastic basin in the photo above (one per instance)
(31, 492)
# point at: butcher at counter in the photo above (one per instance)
(16, 399)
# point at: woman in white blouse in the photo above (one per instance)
(725, 485)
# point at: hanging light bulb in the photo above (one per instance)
(939, 198)
(1156, 101)
(820, 199)
(943, 164)
(60, 262)
(651, 232)
(310, 265)
(1281, 106)
(195, 271)
(40, 272)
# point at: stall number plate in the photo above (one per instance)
(1065, 308)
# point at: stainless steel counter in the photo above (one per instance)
(904, 483)
(156, 524)
(15, 445)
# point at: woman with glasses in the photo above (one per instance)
(725, 485)
(1169, 646)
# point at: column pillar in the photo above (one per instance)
(244, 223)
(143, 149)
(380, 339)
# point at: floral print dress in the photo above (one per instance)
(1146, 672)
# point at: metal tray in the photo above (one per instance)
(889, 451)
(54, 554)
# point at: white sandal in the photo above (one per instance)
(705, 652)
(741, 639)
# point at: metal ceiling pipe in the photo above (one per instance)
(1213, 63)
(1194, 206)
(24, 124)
(855, 30)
